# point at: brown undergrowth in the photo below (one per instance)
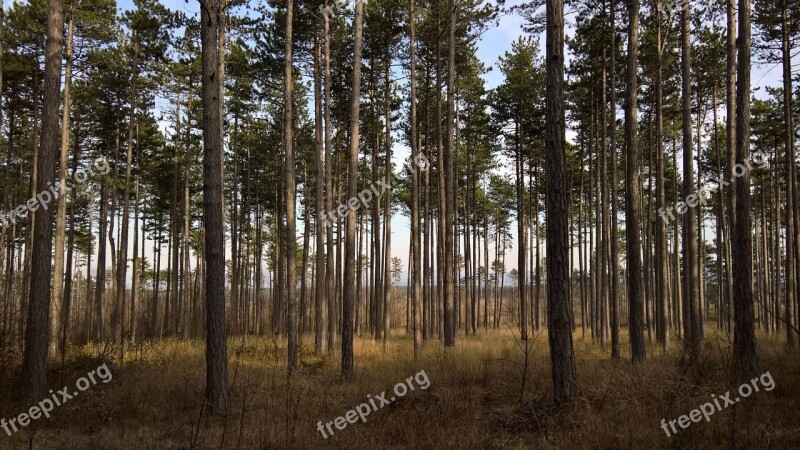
(155, 398)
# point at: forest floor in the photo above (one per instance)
(154, 399)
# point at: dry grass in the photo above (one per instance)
(155, 399)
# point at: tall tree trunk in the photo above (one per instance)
(730, 128)
(791, 200)
(320, 302)
(348, 296)
(415, 188)
(662, 282)
(633, 202)
(34, 366)
(122, 263)
(135, 261)
(559, 312)
(291, 188)
(304, 263)
(387, 211)
(605, 236)
(450, 201)
(329, 269)
(58, 314)
(186, 311)
(216, 341)
(70, 250)
(691, 325)
(744, 341)
(522, 238)
(614, 207)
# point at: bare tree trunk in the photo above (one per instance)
(186, 288)
(415, 187)
(632, 193)
(614, 208)
(122, 263)
(662, 282)
(34, 366)
(680, 319)
(291, 188)
(135, 261)
(329, 268)
(387, 211)
(744, 341)
(304, 263)
(320, 301)
(690, 295)
(450, 201)
(348, 296)
(216, 341)
(70, 250)
(791, 281)
(730, 128)
(559, 317)
(58, 314)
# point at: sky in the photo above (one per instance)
(492, 44)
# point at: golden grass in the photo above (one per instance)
(155, 399)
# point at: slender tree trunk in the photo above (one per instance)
(690, 295)
(730, 128)
(122, 263)
(632, 193)
(291, 193)
(662, 282)
(348, 296)
(614, 208)
(135, 262)
(387, 240)
(320, 302)
(450, 200)
(70, 250)
(415, 188)
(304, 263)
(791, 193)
(329, 269)
(58, 313)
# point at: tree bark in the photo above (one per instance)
(415, 188)
(291, 193)
(559, 315)
(58, 313)
(744, 341)
(632, 193)
(216, 342)
(320, 301)
(791, 194)
(348, 296)
(34, 365)
(662, 282)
